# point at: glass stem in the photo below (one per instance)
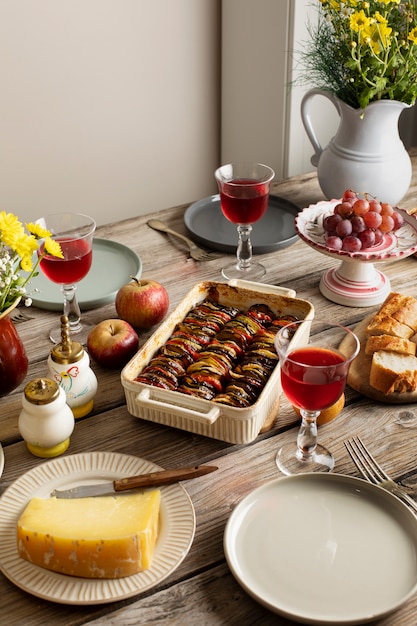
(244, 246)
(307, 435)
(71, 307)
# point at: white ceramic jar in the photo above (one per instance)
(46, 422)
(69, 366)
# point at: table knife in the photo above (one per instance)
(152, 479)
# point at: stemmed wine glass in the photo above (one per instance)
(244, 195)
(74, 232)
(313, 378)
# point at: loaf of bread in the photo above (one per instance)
(392, 372)
(389, 343)
(389, 334)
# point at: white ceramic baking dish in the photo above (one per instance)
(204, 417)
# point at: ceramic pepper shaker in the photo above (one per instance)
(69, 366)
(46, 421)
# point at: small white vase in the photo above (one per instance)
(366, 154)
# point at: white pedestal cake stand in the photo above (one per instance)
(356, 282)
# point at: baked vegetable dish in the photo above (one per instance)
(219, 353)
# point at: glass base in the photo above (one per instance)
(76, 335)
(255, 272)
(290, 461)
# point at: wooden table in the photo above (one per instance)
(202, 590)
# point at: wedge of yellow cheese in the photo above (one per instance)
(104, 537)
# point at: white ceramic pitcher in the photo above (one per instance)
(366, 154)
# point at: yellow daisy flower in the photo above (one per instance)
(10, 229)
(359, 21)
(38, 230)
(53, 247)
(412, 36)
(26, 245)
(26, 264)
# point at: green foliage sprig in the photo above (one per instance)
(363, 51)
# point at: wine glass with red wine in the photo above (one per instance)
(74, 232)
(244, 196)
(314, 359)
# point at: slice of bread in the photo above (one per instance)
(397, 316)
(392, 372)
(389, 343)
(380, 325)
(402, 308)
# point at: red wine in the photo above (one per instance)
(75, 265)
(244, 201)
(313, 388)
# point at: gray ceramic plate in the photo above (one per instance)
(207, 225)
(113, 264)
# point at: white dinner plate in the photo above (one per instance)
(324, 549)
(176, 532)
(113, 265)
(207, 225)
(1, 460)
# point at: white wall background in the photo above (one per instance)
(121, 107)
(256, 37)
(108, 107)
(260, 102)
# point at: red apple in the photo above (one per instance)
(142, 303)
(112, 343)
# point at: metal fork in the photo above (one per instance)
(198, 254)
(17, 315)
(373, 472)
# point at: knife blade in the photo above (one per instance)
(152, 479)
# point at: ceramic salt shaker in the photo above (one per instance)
(46, 421)
(69, 366)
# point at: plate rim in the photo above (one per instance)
(371, 255)
(67, 471)
(232, 530)
(87, 304)
(231, 248)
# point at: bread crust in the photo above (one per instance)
(397, 314)
(387, 325)
(389, 343)
(402, 308)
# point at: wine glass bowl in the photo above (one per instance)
(313, 378)
(244, 195)
(74, 232)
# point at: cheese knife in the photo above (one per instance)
(142, 481)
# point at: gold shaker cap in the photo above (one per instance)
(67, 351)
(41, 391)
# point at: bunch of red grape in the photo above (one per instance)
(360, 222)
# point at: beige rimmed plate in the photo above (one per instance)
(177, 527)
(324, 549)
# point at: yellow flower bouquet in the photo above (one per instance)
(363, 51)
(17, 248)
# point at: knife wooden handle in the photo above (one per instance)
(162, 477)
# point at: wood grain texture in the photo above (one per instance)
(202, 590)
